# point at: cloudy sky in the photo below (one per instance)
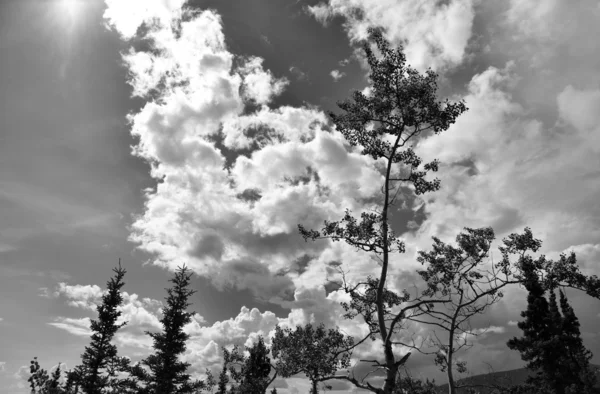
(164, 132)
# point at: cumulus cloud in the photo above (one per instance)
(127, 16)
(505, 168)
(235, 176)
(434, 34)
(230, 216)
(259, 85)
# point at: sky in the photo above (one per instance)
(170, 132)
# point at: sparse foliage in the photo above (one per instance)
(400, 106)
(461, 276)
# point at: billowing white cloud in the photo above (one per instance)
(435, 34)
(231, 217)
(236, 176)
(127, 16)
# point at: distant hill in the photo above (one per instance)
(505, 378)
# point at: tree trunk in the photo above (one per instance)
(390, 379)
(451, 388)
(314, 387)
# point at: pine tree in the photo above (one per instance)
(93, 375)
(166, 374)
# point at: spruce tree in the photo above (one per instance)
(93, 375)
(165, 373)
(223, 380)
(249, 374)
(578, 375)
(551, 342)
(256, 369)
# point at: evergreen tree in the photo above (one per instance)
(42, 383)
(551, 342)
(95, 374)
(223, 380)
(256, 369)
(251, 373)
(274, 391)
(577, 374)
(165, 373)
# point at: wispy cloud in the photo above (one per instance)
(79, 327)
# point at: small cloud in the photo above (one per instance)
(299, 74)
(337, 75)
(344, 63)
(412, 225)
(22, 373)
(512, 323)
(44, 292)
(259, 85)
(2, 366)
(266, 40)
(322, 13)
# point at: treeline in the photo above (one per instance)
(551, 344)
(457, 282)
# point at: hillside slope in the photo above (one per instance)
(504, 378)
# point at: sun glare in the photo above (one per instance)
(71, 7)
